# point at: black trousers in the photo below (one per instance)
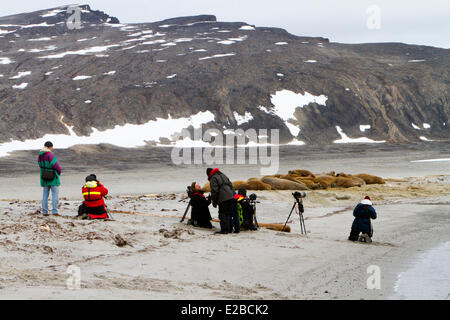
(91, 210)
(235, 218)
(226, 209)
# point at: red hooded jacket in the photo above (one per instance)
(93, 195)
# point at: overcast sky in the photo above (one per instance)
(409, 21)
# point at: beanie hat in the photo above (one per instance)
(91, 177)
(242, 191)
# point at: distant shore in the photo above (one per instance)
(149, 170)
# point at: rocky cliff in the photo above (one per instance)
(107, 73)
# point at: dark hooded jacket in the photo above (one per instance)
(200, 214)
(363, 213)
(221, 187)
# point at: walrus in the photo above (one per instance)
(320, 183)
(283, 184)
(355, 178)
(370, 179)
(207, 187)
(330, 180)
(302, 173)
(238, 184)
(253, 184)
(344, 182)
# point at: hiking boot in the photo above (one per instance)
(221, 232)
(365, 238)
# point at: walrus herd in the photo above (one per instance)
(305, 180)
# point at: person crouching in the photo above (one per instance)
(200, 215)
(363, 212)
(246, 212)
(93, 206)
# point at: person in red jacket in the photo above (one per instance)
(93, 206)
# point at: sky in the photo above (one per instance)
(346, 21)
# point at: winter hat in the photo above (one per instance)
(242, 191)
(366, 201)
(208, 171)
(91, 177)
(48, 144)
(367, 197)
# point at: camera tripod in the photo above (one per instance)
(253, 205)
(298, 207)
(185, 212)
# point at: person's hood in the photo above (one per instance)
(239, 197)
(45, 149)
(366, 202)
(91, 184)
(213, 171)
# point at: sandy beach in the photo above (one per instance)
(165, 259)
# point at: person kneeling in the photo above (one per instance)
(246, 212)
(93, 206)
(200, 215)
(363, 212)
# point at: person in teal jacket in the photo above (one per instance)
(50, 171)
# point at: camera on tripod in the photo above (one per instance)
(252, 197)
(298, 195)
(299, 209)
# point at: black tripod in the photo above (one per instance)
(253, 205)
(185, 212)
(298, 207)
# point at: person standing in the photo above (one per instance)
(222, 195)
(50, 171)
(363, 212)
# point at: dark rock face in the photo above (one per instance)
(180, 66)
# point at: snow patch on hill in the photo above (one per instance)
(127, 136)
(242, 119)
(286, 102)
(347, 139)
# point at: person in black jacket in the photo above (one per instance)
(363, 212)
(200, 215)
(248, 212)
(222, 194)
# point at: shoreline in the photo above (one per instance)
(432, 256)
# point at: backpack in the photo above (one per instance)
(48, 174)
(240, 212)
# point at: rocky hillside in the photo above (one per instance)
(107, 74)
